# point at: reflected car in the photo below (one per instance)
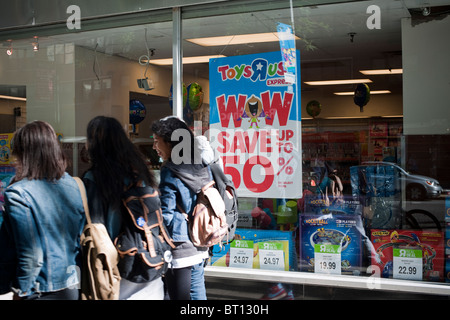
(417, 187)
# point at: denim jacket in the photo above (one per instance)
(40, 236)
(177, 196)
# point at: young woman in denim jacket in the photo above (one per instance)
(116, 163)
(43, 220)
(185, 278)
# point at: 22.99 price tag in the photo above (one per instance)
(271, 255)
(327, 258)
(241, 254)
(408, 264)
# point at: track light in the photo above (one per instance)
(9, 51)
(35, 44)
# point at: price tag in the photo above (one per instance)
(327, 258)
(271, 255)
(408, 264)
(241, 254)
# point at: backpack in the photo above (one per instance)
(144, 245)
(100, 277)
(208, 223)
(227, 191)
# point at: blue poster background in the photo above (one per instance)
(255, 123)
(252, 85)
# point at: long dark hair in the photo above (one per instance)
(38, 153)
(115, 161)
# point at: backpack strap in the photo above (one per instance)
(208, 185)
(84, 198)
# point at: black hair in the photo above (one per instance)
(116, 162)
(164, 128)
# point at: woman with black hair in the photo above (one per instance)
(116, 165)
(174, 142)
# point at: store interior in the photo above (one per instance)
(74, 76)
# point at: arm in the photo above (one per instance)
(168, 196)
(28, 250)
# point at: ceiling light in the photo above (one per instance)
(351, 93)
(381, 71)
(393, 116)
(337, 82)
(237, 39)
(357, 117)
(13, 98)
(186, 60)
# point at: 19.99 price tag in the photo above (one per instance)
(327, 258)
(241, 254)
(271, 255)
(408, 264)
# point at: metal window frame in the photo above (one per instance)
(338, 281)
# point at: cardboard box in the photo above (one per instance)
(342, 230)
(430, 242)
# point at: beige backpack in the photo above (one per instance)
(100, 277)
(208, 224)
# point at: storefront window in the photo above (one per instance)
(334, 178)
(373, 184)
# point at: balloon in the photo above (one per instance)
(362, 95)
(195, 96)
(313, 108)
(171, 95)
(137, 111)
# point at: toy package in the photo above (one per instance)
(339, 236)
(314, 204)
(257, 249)
(429, 256)
(5, 148)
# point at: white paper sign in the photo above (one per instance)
(241, 254)
(408, 264)
(271, 256)
(327, 258)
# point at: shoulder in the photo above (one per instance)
(166, 174)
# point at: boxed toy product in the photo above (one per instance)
(257, 249)
(331, 243)
(422, 254)
(5, 148)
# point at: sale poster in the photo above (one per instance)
(287, 47)
(255, 124)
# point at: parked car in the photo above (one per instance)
(417, 187)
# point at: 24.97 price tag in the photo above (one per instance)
(241, 254)
(271, 255)
(327, 258)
